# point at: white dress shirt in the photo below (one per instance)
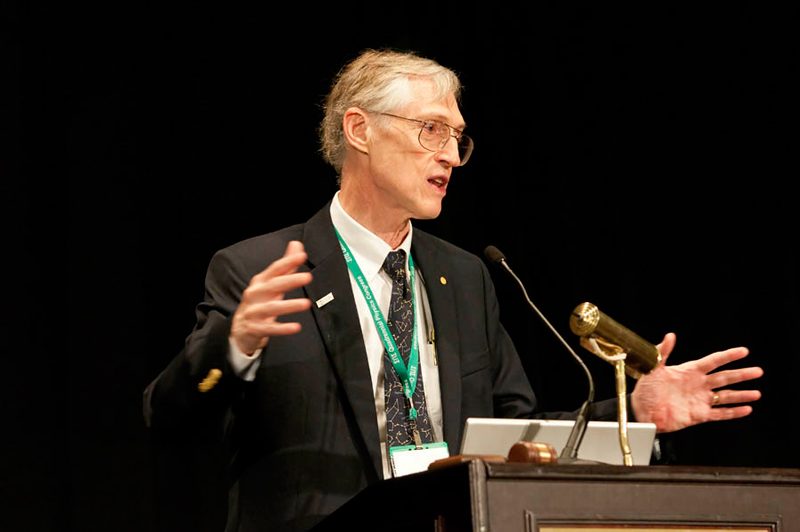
(369, 252)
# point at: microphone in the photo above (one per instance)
(570, 453)
(494, 255)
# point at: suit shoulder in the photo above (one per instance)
(258, 252)
(451, 251)
(268, 240)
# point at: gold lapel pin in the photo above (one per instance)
(443, 279)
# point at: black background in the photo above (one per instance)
(640, 158)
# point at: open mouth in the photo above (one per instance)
(438, 182)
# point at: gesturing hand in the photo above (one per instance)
(675, 397)
(262, 301)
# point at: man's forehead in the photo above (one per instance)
(428, 106)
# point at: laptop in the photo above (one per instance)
(600, 442)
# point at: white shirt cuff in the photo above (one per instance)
(245, 366)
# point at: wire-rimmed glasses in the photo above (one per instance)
(434, 135)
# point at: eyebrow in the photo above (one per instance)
(460, 127)
(440, 118)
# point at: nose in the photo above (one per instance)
(448, 155)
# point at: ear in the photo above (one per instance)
(355, 125)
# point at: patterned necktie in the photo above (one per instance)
(399, 429)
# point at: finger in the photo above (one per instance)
(733, 376)
(275, 328)
(711, 362)
(250, 335)
(294, 256)
(280, 307)
(282, 266)
(735, 412)
(285, 283)
(294, 246)
(666, 346)
(276, 287)
(734, 397)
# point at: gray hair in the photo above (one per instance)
(378, 81)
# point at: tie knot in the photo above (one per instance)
(395, 264)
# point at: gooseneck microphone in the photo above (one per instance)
(570, 452)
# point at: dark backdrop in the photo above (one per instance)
(639, 158)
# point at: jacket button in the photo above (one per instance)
(210, 381)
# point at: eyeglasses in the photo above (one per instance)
(434, 135)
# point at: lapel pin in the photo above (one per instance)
(324, 300)
(443, 279)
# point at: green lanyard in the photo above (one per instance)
(407, 376)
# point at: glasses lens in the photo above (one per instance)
(465, 146)
(433, 135)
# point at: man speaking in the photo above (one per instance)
(321, 346)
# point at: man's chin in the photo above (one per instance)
(430, 212)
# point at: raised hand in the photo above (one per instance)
(675, 397)
(254, 321)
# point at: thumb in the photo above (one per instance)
(666, 346)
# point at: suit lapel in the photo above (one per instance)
(339, 328)
(435, 266)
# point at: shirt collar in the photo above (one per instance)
(367, 248)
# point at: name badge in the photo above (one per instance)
(408, 459)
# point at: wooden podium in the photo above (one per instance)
(491, 497)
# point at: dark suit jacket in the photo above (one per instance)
(305, 431)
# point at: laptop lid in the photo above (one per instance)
(600, 443)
